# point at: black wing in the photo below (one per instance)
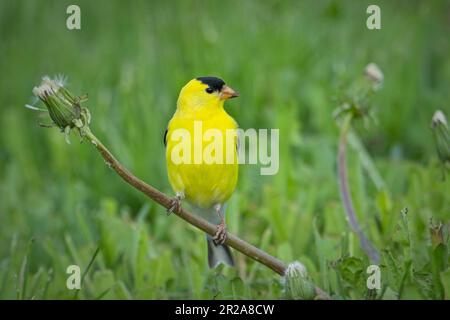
(165, 137)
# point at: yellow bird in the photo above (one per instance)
(206, 182)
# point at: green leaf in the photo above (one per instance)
(440, 257)
(390, 294)
(424, 280)
(352, 271)
(392, 269)
(445, 280)
(102, 283)
(439, 263)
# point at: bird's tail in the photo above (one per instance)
(218, 254)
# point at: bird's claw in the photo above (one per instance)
(221, 234)
(175, 205)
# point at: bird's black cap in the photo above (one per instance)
(214, 83)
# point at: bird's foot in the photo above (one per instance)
(221, 233)
(175, 203)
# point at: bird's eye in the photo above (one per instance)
(209, 90)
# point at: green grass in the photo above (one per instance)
(290, 60)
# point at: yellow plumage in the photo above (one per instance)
(202, 184)
(206, 184)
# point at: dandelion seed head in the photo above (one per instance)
(48, 86)
(374, 73)
(438, 118)
(296, 269)
(60, 80)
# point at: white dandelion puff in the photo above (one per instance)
(46, 88)
(438, 118)
(374, 73)
(60, 80)
(63, 107)
(296, 269)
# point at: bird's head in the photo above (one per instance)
(204, 92)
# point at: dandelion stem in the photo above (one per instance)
(371, 252)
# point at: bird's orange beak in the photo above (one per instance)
(228, 93)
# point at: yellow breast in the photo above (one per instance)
(201, 157)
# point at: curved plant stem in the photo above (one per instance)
(371, 252)
(233, 241)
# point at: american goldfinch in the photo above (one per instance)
(206, 186)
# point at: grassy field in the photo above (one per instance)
(292, 62)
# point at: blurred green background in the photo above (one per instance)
(290, 60)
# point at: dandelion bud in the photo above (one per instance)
(297, 283)
(63, 107)
(373, 72)
(441, 136)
